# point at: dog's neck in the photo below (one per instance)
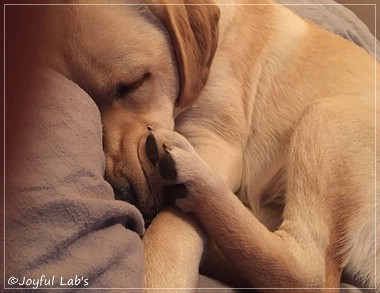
(270, 40)
(242, 82)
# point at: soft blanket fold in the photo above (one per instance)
(61, 218)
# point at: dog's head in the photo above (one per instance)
(143, 65)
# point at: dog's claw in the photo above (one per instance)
(167, 147)
(151, 149)
(167, 167)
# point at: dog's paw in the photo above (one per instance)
(185, 172)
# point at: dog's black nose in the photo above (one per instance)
(125, 193)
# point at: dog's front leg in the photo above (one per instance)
(248, 244)
(263, 258)
(173, 246)
(307, 251)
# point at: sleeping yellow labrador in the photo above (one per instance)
(258, 125)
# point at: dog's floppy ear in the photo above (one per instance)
(194, 33)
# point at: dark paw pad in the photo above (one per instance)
(176, 191)
(167, 168)
(151, 149)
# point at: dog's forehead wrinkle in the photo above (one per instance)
(97, 50)
(108, 23)
(88, 32)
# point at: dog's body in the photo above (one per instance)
(280, 144)
(285, 120)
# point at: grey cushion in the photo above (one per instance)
(61, 216)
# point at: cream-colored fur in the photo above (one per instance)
(282, 174)
(306, 119)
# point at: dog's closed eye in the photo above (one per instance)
(124, 89)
